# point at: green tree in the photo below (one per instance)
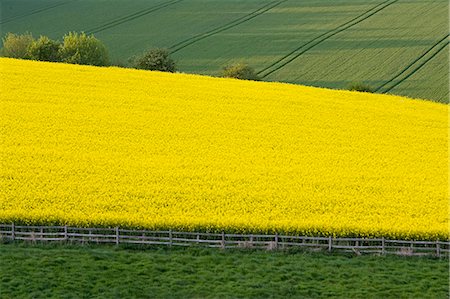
(44, 49)
(79, 48)
(16, 45)
(156, 59)
(240, 71)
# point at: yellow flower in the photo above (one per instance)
(90, 146)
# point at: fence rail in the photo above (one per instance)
(223, 240)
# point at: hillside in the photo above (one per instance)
(396, 46)
(107, 146)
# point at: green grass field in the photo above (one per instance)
(55, 271)
(313, 42)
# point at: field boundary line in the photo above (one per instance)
(36, 11)
(408, 71)
(131, 17)
(189, 41)
(294, 54)
(117, 236)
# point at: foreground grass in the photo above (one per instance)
(54, 271)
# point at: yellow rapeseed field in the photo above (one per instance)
(89, 146)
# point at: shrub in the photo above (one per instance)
(240, 71)
(359, 86)
(44, 49)
(16, 45)
(83, 49)
(155, 60)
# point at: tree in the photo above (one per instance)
(44, 49)
(240, 71)
(79, 48)
(16, 46)
(156, 59)
(359, 86)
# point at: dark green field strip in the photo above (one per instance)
(414, 66)
(183, 44)
(169, 26)
(264, 39)
(76, 16)
(38, 271)
(288, 58)
(33, 12)
(429, 82)
(374, 50)
(131, 17)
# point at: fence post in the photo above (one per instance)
(438, 249)
(66, 237)
(170, 237)
(382, 246)
(13, 232)
(330, 241)
(223, 240)
(276, 240)
(117, 236)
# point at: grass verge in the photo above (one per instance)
(64, 271)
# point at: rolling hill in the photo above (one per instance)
(396, 46)
(111, 146)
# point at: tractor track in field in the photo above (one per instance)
(294, 54)
(415, 65)
(131, 17)
(36, 11)
(189, 41)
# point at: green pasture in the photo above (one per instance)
(63, 271)
(396, 46)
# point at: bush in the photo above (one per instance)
(16, 46)
(359, 86)
(83, 49)
(155, 60)
(44, 49)
(240, 71)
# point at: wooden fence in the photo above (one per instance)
(223, 240)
